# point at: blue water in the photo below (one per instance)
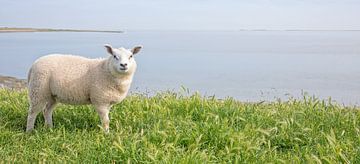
(246, 65)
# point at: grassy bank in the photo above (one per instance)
(174, 128)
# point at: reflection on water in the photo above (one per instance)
(247, 65)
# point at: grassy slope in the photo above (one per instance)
(174, 128)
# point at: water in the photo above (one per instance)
(246, 65)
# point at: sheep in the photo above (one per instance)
(77, 80)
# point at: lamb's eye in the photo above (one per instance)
(130, 57)
(117, 58)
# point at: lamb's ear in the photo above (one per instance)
(136, 49)
(109, 49)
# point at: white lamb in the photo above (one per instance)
(77, 80)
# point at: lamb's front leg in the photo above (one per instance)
(103, 111)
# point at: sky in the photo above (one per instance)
(182, 15)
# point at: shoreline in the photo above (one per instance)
(15, 30)
(18, 84)
(8, 82)
(28, 29)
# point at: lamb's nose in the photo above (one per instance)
(123, 65)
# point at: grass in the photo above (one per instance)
(180, 128)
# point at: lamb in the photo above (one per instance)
(78, 80)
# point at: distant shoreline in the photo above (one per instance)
(15, 29)
(10, 82)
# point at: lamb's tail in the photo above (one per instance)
(29, 75)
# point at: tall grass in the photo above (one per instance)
(174, 128)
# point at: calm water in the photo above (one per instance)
(247, 65)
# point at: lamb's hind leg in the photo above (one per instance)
(34, 110)
(50, 105)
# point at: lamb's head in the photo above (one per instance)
(122, 60)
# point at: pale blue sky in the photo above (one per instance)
(183, 15)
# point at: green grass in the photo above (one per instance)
(175, 128)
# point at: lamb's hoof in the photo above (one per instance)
(50, 126)
(104, 129)
(28, 131)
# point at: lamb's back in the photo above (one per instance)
(69, 76)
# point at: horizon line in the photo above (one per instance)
(125, 30)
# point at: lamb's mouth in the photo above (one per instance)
(123, 69)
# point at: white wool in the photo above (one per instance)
(73, 79)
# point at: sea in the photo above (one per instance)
(249, 66)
